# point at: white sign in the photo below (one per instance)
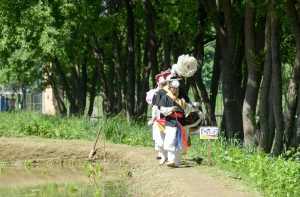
(209, 133)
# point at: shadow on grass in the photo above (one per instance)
(191, 162)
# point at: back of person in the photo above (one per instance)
(13, 103)
(7, 105)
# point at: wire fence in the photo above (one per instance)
(18, 102)
(38, 101)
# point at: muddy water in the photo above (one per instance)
(56, 181)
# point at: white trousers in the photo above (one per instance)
(167, 143)
(155, 131)
(155, 135)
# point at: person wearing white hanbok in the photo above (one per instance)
(155, 116)
(175, 138)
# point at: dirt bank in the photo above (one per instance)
(147, 177)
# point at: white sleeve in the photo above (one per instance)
(188, 108)
(196, 104)
(166, 110)
(154, 110)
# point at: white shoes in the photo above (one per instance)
(162, 161)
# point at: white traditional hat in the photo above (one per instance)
(162, 80)
(171, 77)
(174, 84)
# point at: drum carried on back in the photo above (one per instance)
(194, 120)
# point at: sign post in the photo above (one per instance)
(209, 133)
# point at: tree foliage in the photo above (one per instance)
(115, 48)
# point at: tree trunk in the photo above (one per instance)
(94, 81)
(61, 107)
(84, 81)
(215, 79)
(271, 117)
(120, 73)
(277, 82)
(295, 142)
(130, 61)
(239, 81)
(121, 69)
(292, 99)
(251, 94)
(167, 53)
(210, 118)
(99, 57)
(73, 109)
(253, 79)
(143, 105)
(138, 75)
(77, 91)
(227, 38)
(291, 103)
(24, 98)
(194, 88)
(94, 78)
(265, 92)
(111, 91)
(66, 87)
(150, 14)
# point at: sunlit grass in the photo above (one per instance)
(272, 176)
(116, 129)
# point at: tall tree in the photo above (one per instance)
(254, 36)
(265, 91)
(222, 17)
(277, 79)
(292, 9)
(130, 60)
(199, 52)
(150, 14)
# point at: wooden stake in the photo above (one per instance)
(93, 151)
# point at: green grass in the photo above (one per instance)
(31, 123)
(278, 177)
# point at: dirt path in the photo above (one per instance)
(148, 178)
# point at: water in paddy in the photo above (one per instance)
(59, 181)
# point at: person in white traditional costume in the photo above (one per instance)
(161, 82)
(169, 120)
(175, 137)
